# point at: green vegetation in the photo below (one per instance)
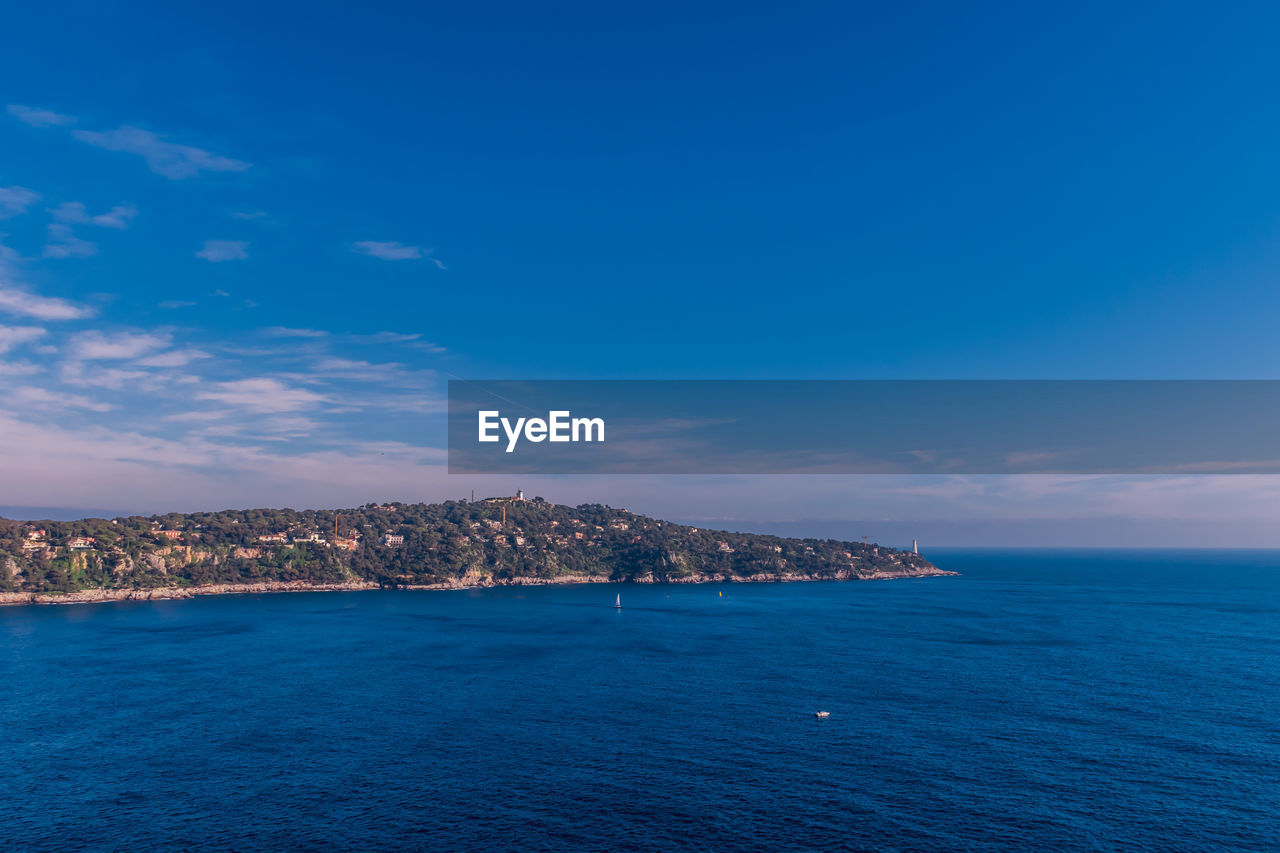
(494, 541)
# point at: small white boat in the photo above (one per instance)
(617, 605)
(822, 715)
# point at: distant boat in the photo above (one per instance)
(617, 605)
(822, 715)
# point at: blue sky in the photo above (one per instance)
(245, 245)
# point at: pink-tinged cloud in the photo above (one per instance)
(115, 346)
(263, 395)
(14, 336)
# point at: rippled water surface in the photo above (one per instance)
(1043, 700)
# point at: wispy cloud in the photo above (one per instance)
(173, 304)
(118, 217)
(196, 417)
(23, 303)
(12, 336)
(173, 358)
(383, 338)
(394, 251)
(18, 300)
(249, 215)
(262, 394)
(83, 374)
(44, 398)
(354, 369)
(286, 332)
(95, 345)
(15, 200)
(410, 339)
(217, 251)
(76, 213)
(165, 158)
(19, 368)
(39, 118)
(62, 243)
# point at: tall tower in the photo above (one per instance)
(915, 547)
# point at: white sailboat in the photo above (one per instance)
(617, 604)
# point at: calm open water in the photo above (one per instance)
(1045, 700)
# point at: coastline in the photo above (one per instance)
(163, 593)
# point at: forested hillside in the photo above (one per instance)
(499, 540)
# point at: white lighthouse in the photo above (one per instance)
(915, 547)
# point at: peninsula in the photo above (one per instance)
(451, 545)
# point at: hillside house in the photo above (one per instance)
(516, 498)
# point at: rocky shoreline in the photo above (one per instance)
(96, 596)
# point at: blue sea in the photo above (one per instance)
(1043, 700)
